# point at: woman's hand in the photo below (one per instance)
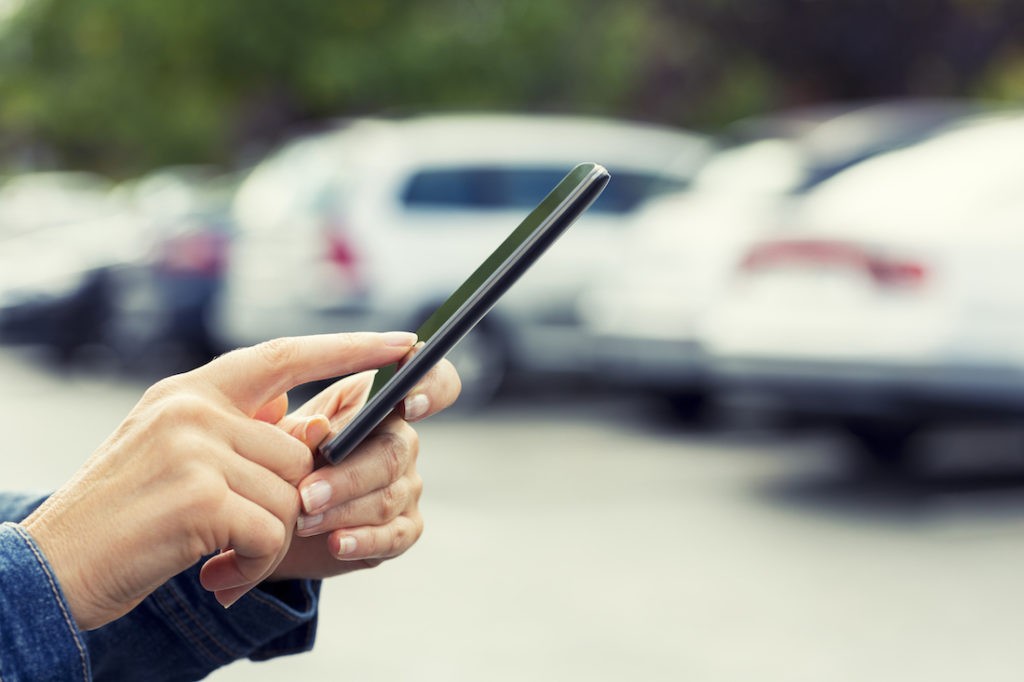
(365, 509)
(190, 472)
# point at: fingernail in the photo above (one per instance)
(228, 600)
(308, 522)
(315, 495)
(403, 339)
(346, 545)
(416, 406)
(316, 429)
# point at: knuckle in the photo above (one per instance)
(392, 450)
(348, 342)
(354, 481)
(396, 449)
(268, 538)
(417, 527)
(275, 536)
(294, 505)
(198, 544)
(298, 462)
(405, 536)
(182, 407)
(160, 389)
(202, 501)
(396, 542)
(277, 353)
(286, 503)
(415, 483)
(412, 439)
(205, 497)
(334, 518)
(389, 503)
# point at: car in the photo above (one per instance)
(373, 224)
(62, 235)
(895, 297)
(183, 212)
(643, 319)
(128, 269)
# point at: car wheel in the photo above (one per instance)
(78, 320)
(883, 445)
(689, 407)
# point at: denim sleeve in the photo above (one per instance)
(16, 506)
(180, 632)
(38, 638)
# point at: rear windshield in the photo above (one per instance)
(491, 188)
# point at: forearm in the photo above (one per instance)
(179, 632)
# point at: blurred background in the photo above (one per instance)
(758, 415)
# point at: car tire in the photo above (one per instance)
(78, 320)
(883, 445)
(688, 407)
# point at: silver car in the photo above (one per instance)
(372, 225)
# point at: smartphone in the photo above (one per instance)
(471, 301)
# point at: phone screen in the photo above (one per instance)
(472, 300)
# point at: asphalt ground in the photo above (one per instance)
(582, 536)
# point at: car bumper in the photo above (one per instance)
(648, 362)
(870, 389)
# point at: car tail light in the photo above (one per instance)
(199, 252)
(885, 269)
(342, 254)
(901, 273)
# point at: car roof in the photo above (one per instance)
(833, 137)
(563, 139)
(967, 167)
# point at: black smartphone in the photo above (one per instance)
(471, 301)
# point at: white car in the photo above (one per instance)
(643, 319)
(373, 225)
(898, 295)
(62, 235)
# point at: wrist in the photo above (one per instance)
(64, 566)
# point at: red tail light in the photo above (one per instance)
(779, 253)
(886, 270)
(343, 255)
(197, 253)
(340, 251)
(899, 273)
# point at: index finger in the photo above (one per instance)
(251, 377)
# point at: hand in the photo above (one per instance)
(367, 509)
(190, 471)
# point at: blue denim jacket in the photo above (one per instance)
(179, 632)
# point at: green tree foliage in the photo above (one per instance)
(124, 85)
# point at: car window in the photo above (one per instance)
(493, 188)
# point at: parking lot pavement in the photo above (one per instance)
(575, 537)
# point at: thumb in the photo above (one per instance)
(309, 430)
(273, 411)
